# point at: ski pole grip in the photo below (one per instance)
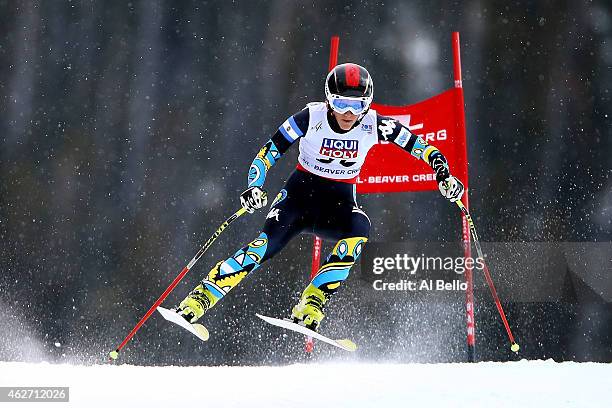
(461, 206)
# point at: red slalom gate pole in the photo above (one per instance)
(316, 262)
(115, 353)
(316, 249)
(467, 247)
(333, 52)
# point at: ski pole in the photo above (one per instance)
(114, 354)
(514, 346)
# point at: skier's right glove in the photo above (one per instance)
(253, 198)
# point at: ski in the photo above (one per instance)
(194, 328)
(344, 344)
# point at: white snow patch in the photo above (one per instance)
(519, 384)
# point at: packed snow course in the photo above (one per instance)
(516, 384)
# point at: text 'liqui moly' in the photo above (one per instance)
(339, 149)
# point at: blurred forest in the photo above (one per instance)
(127, 130)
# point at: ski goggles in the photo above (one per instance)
(343, 105)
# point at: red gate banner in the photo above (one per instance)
(437, 120)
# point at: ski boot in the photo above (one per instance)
(309, 311)
(196, 304)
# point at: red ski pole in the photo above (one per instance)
(514, 346)
(115, 353)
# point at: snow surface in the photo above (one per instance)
(517, 384)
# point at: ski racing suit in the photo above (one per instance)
(319, 197)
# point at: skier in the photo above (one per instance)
(319, 197)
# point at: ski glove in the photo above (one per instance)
(451, 188)
(253, 198)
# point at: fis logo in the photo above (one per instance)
(366, 128)
(339, 149)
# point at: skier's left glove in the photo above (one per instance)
(253, 198)
(451, 188)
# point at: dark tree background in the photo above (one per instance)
(127, 129)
